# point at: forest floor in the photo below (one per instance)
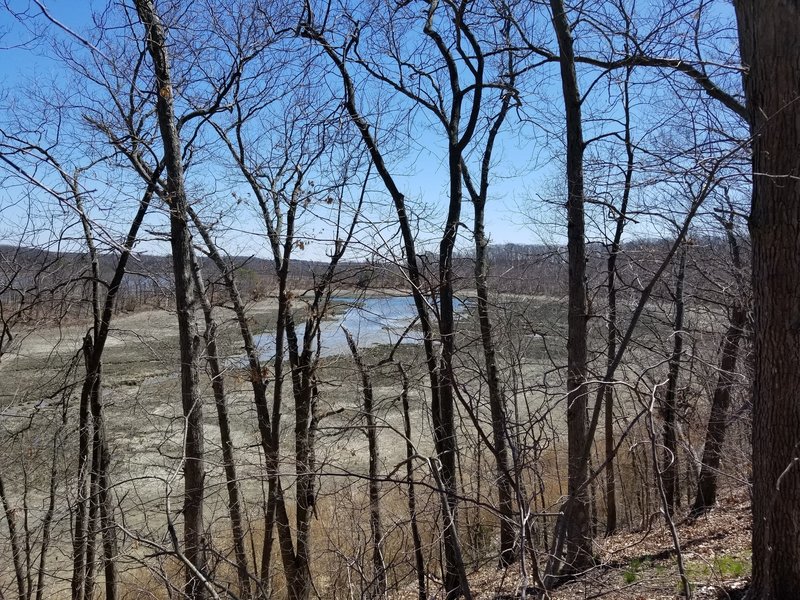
(642, 565)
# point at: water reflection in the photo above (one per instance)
(371, 322)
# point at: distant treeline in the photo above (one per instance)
(57, 284)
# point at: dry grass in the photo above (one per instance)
(641, 565)
(145, 426)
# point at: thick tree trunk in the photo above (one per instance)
(770, 49)
(180, 241)
(94, 373)
(94, 497)
(443, 412)
(305, 397)
(576, 522)
(272, 443)
(101, 495)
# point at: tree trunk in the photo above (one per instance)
(718, 419)
(770, 48)
(226, 441)
(94, 509)
(669, 472)
(419, 560)
(276, 515)
(101, 511)
(441, 392)
(80, 529)
(443, 411)
(613, 325)
(267, 426)
(91, 414)
(17, 553)
(101, 508)
(377, 586)
(576, 521)
(180, 241)
(497, 405)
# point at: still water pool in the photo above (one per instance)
(371, 322)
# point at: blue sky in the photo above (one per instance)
(23, 53)
(527, 169)
(26, 58)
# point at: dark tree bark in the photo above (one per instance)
(669, 472)
(706, 495)
(770, 49)
(460, 127)
(80, 527)
(439, 369)
(613, 325)
(497, 405)
(505, 491)
(91, 412)
(92, 393)
(718, 419)
(377, 586)
(180, 241)
(576, 522)
(296, 571)
(267, 426)
(613, 333)
(419, 559)
(17, 552)
(294, 540)
(226, 441)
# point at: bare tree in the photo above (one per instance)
(729, 350)
(446, 63)
(576, 520)
(669, 471)
(378, 585)
(419, 559)
(497, 403)
(439, 368)
(185, 294)
(235, 507)
(216, 114)
(301, 178)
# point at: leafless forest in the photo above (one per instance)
(259, 339)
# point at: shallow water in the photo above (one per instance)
(371, 322)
